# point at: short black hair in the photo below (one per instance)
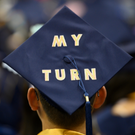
(60, 117)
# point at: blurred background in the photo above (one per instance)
(113, 18)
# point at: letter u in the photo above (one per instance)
(57, 74)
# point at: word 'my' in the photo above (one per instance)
(59, 41)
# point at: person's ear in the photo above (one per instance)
(100, 98)
(33, 99)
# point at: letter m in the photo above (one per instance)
(59, 41)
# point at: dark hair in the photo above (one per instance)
(62, 118)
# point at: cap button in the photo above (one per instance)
(67, 57)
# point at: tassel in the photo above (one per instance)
(88, 116)
(70, 59)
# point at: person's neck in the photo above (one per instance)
(46, 124)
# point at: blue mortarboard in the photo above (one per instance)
(67, 59)
(32, 10)
(110, 124)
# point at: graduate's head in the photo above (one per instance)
(58, 116)
(68, 61)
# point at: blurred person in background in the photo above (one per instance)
(11, 87)
(20, 16)
(118, 117)
(128, 11)
(32, 11)
(106, 17)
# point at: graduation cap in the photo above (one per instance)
(110, 124)
(32, 10)
(66, 60)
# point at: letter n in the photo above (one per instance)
(90, 74)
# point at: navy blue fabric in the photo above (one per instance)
(32, 10)
(105, 18)
(115, 125)
(7, 130)
(88, 118)
(94, 51)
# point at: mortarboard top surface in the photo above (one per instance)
(92, 52)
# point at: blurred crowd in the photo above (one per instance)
(113, 18)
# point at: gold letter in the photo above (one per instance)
(74, 74)
(46, 72)
(59, 42)
(76, 39)
(92, 74)
(58, 75)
